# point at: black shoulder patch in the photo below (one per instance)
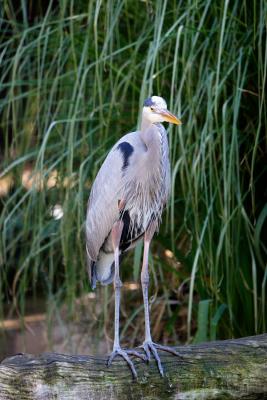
(126, 150)
(148, 102)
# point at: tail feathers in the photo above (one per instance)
(102, 270)
(91, 269)
(111, 276)
(92, 275)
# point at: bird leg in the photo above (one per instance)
(117, 350)
(148, 345)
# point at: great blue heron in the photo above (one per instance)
(125, 206)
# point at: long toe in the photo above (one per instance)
(124, 354)
(145, 347)
(168, 349)
(135, 353)
(150, 348)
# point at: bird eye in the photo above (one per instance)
(152, 108)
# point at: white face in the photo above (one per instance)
(151, 113)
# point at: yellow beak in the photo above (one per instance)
(169, 117)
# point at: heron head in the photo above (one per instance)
(155, 110)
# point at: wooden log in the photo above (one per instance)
(230, 369)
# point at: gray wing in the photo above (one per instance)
(102, 209)
(106, 192)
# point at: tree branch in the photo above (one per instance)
(234, 369)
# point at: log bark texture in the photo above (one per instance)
(230, 369)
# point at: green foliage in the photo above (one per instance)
(73, 77)
(207, 327)
(215, 320)
(202, 321)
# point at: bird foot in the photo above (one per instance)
(124, 353)
(152, 348)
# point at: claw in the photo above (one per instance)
(150, 347)
(124, 354)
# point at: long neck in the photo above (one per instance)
(145, 124)
(157, 162)
(151, 136)
(151, 139)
